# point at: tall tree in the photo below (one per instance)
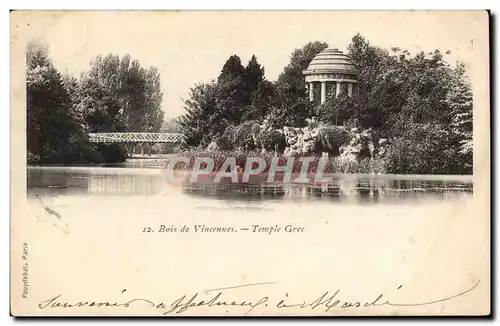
(286, 109)
(420, 102)
(171, 125)
(52, 133)
(261, 99)
(201, 120)
(232, 69)
(254, 75)
(337, 110)
(232, 91)
(370, 63)
(291, 104)
(100, 106)
(259, 91)
(153, 118)
(460, 101)
(300, 60)
(395, 85)
(239, 94)
(135, 89)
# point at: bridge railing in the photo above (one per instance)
(136, 137)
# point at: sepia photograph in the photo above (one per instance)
(250, 163)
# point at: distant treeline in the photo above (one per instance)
(420, 103)
(115, 94)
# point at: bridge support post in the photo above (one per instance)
(130, 149)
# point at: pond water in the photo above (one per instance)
(359, 228)
(147, 178)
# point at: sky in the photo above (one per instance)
(191, 46)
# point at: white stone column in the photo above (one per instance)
(349, 89)
(337, 91)
(311, 92)
(323, 92)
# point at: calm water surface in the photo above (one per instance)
(147, 178)
(356, 230)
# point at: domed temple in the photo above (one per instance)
(330, 73)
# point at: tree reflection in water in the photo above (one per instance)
(350, 189)
(136, 182)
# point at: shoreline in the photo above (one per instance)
(125, 170)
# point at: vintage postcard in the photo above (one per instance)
(250, 163)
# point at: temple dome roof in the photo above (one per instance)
(330, 61)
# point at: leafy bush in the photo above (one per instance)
(239, 137)
(337, 110)
(32, 159)
(425, 149)
(112, 153)
(272, 140)
(243, 136)
(333, 165)
(226, 141)
(331, 138)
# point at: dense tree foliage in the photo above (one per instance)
(114, 95)
(171, 126)
(338, 110)
(54, 134)
(199, 122)
(241, 93)
(419, 105)
(300, 60)
(291, 105)
(134, 90)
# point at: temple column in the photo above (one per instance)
(349, 89)
(311, 92)
(323, 92)
(337, 90)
